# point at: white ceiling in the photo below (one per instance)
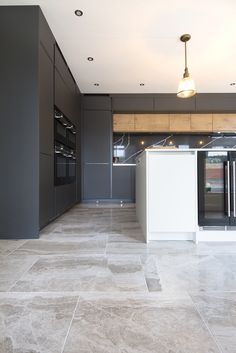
(134, 41)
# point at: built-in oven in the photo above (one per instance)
(60, 165)
(71, 137)
(60, 132)
(71, 167)
(65, 149)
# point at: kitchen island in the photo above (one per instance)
(168, 194)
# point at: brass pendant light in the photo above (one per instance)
(186, 87)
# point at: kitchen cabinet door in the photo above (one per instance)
(63, 69)
(171, 103)
(151, 122)
(224, 122)
(100, 102)
(201, 122)
(65, 99)
(45, 36)
(123, 123)
(97, 181)
(180, 122)
(97, 134)
(65, 197)
(123, 183)
(132, 104)
(215, 102)
(46, 107)
(46, 190)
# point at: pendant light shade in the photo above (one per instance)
(186, 87)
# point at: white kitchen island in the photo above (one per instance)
(167, 197)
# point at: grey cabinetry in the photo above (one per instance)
(46, 123)
(97, 103)
(66, 98)
(65, 197)
(215, 102)
(26, 134)
(97, 185)
(171, 103)
(123, 183)
(46, 111)
(132, 103)
(46, 37)
(97, 134)
(46, 189)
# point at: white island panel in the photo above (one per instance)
(171, 195)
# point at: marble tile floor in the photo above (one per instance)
(91, 285)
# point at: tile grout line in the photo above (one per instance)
(72, 319)
(12, 252)
(18, 279)
(207, 327)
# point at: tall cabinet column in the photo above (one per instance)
(96, 148)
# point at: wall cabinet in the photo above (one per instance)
(151, 122)
(123, 122)
(180, 122)
(224, 122)
(201, 122)
(129, 103)
(171, 103)
(174, 122)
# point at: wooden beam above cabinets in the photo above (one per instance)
(174, 122)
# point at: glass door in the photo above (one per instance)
(214, 202)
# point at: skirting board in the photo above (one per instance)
(215, 235)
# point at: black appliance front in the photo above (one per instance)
(60, 132)
(216, 188)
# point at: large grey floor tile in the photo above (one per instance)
(34, 323)
(112, 325)
(8, 246)
(195, 273)
(95, 244)
(84, 273)
(12, 267)
(219, 311)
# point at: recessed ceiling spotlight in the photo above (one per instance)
(90, 58)
(79, 13)
(141, 84)
(232, 83)
(96, 84)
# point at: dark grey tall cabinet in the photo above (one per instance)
(97, 152)
(28, 198)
